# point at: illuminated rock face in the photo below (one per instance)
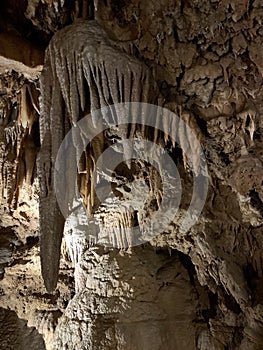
(196, 290)
(81, 78)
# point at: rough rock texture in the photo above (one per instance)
(16, 335)
(21, 286)
(196, 290)
(136, 305)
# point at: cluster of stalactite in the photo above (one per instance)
(84, 71)
(18, 137)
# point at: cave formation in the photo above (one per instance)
(199, 288)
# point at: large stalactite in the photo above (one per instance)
(201, 60)
(84, 71)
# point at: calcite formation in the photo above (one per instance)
(195, 289)
(84, 72)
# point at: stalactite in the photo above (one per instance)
(84, 71)
(83, 9)
(18, 149)
(51, 236)
(28, 107)
(69, 69)
(193, 143)
(11, 150)
(75, 245)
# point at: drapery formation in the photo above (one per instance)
(83, 72)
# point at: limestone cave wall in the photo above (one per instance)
(200, 288)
